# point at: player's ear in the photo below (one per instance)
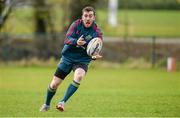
(94, 17)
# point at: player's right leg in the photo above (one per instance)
(62, 71)
(50, 93)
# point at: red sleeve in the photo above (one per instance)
(70, 35)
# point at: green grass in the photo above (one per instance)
(141, 23)
(103, 92)
(160, 23)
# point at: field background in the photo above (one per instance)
(141, 23)
(131, 80)
(103, 92)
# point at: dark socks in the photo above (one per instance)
(50, 93)
(70, 91)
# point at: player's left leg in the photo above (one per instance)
(79, 73)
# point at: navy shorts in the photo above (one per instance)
(64, 68)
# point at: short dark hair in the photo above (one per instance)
(88, 8)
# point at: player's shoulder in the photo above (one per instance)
(78, 21)
(75, 24)
(96, 28)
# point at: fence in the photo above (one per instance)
(115, 49)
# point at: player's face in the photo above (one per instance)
(88, 18)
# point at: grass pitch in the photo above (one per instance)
(143, 23)
(134, 23)
(103, 92)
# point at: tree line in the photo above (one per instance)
(44, 48)
(144, 4)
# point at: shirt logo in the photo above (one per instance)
(88, 37)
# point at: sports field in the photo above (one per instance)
(103, 92)
(143, 23)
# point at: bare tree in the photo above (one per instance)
(5, 10)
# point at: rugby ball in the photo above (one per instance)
(94, 46)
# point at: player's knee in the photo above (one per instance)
(55, 83)
(79, 76)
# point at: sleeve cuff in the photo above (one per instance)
(73, 40)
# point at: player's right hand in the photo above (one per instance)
(81, 41)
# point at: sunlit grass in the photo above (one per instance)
(104, 91)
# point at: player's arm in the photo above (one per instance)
(71, 35)
(98, 34)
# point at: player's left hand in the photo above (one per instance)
(97, 56)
